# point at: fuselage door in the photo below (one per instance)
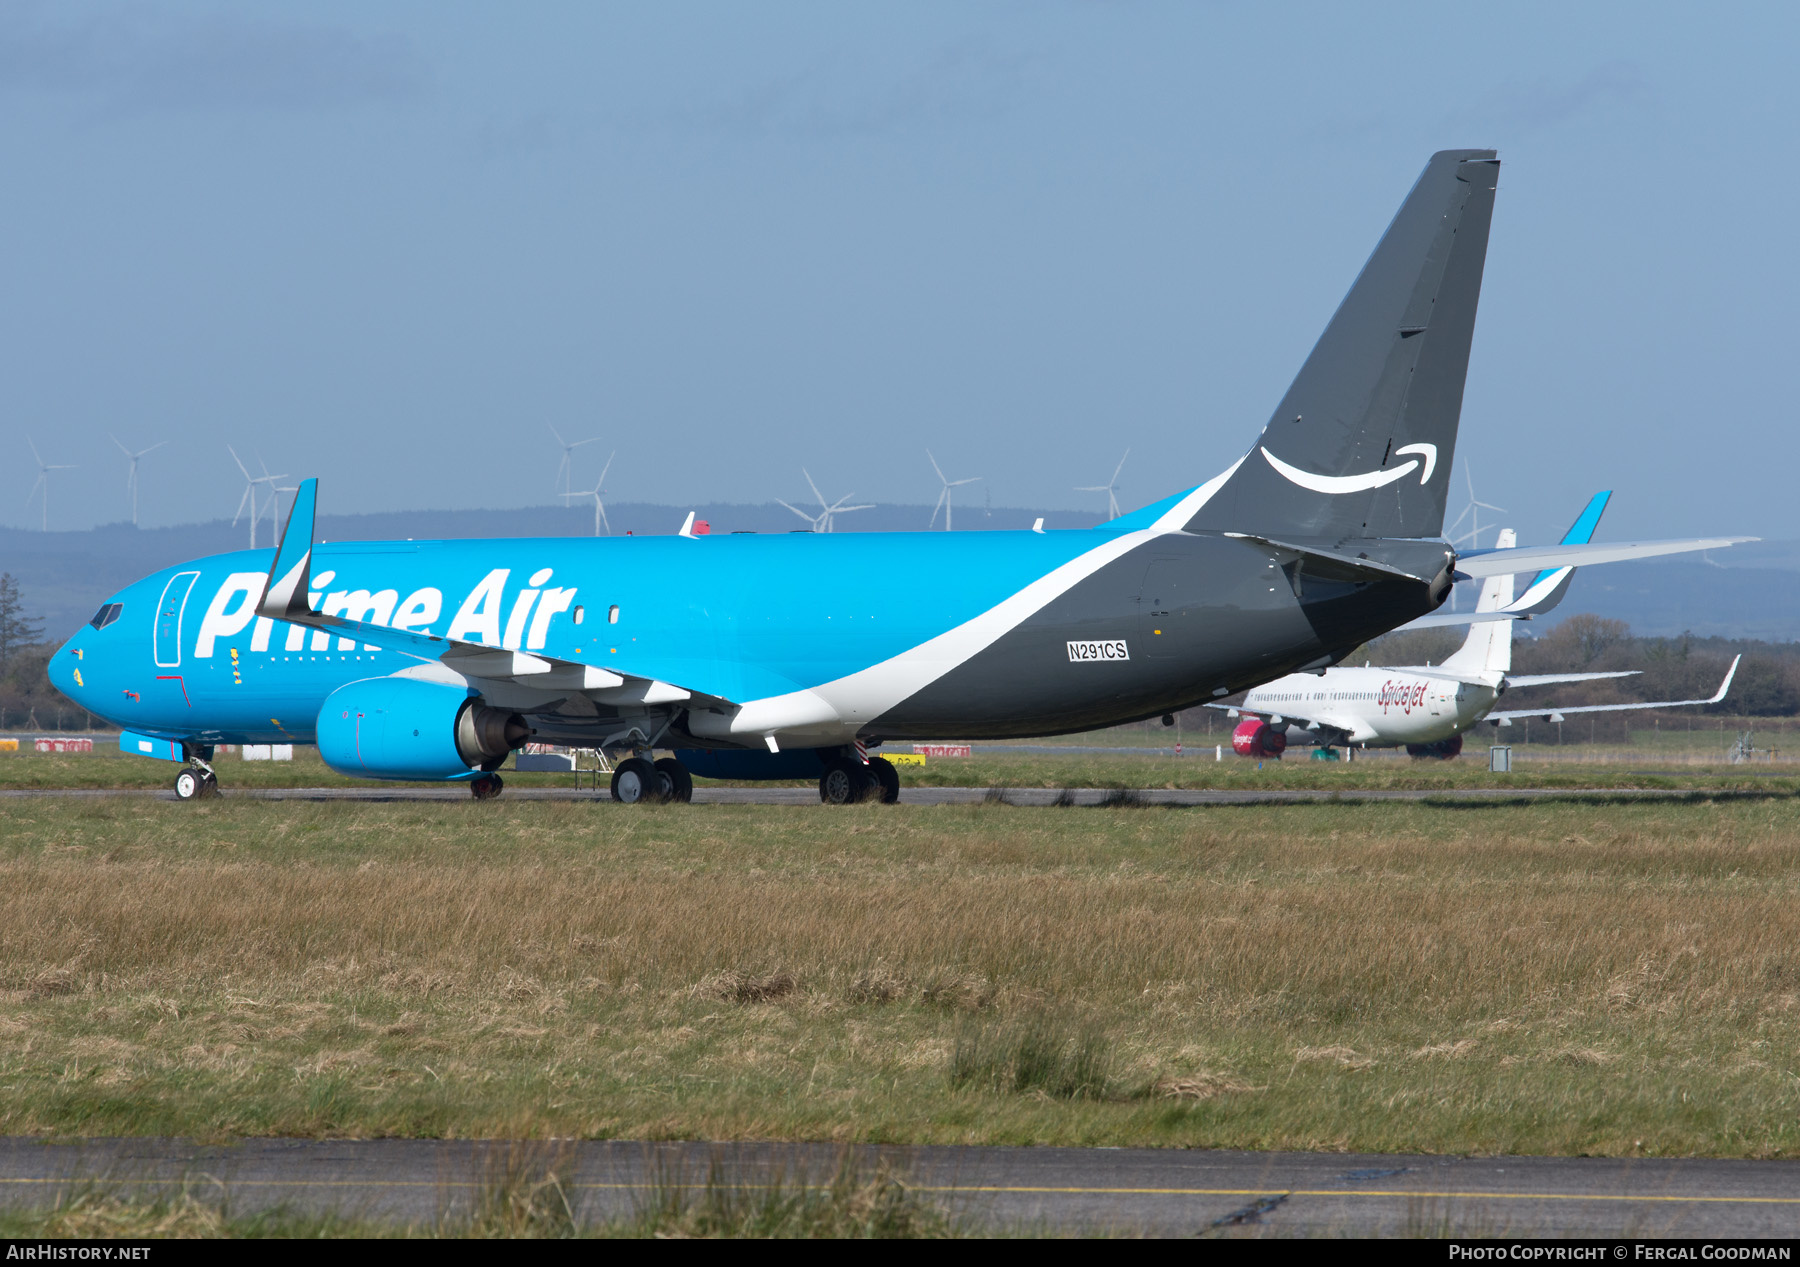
(168, 619)
(1163, 602)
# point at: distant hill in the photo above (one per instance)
(65, 576)
(1664, 599)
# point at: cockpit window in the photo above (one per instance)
(108, 613)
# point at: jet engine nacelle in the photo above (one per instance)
(402, 728)
(1254, 737)
(1442, 750)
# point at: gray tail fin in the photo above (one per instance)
(1363, 442)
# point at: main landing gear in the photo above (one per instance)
(487, 787)
(847, 781)
(637, 780)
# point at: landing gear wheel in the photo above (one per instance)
(677, 783)
(189, 785)
(209, 784)
(636, 781)
(846, 782)
(487, 787)
(887, 778)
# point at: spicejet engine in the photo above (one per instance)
(1254, 737)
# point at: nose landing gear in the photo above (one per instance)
(192, 784)
(197, 780)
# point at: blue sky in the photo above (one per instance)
(386, 244)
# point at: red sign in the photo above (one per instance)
(943, 749)
(65, 745)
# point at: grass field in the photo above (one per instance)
(111, 769)
(1586, 976)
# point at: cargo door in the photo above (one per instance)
(168, 619)
(1164, 603)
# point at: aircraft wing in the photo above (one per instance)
(1544, 679)
(1547, 587)
(1557, 714)
(284, 598)
(1481, 563)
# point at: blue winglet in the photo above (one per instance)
(1582, 531)
(291, 577)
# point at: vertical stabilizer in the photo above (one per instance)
(1363, 442)
(1488, 648)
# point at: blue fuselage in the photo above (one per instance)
(742, 618)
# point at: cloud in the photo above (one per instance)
(123, 61)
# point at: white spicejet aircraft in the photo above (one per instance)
(1427, 708)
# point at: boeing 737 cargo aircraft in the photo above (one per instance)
(781, 656)
(1428, 708)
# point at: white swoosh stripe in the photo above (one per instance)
(1338, 483)
(854, 700)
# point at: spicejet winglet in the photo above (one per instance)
(785, 656)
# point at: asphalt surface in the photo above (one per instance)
(1162, 1192)
(921, 795)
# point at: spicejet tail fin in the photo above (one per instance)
(1488, 648)
(1363, 442)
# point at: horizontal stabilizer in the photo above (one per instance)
(1557, 714)
(1481, 563)
(1440, 620)
(1352, 563)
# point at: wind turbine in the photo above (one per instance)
(566, 468)
(131, 481)
(249, 497)
(43, 481)
(821, 522)
(943, 501)
(594, 492)
(1110, 488)
(273, 505)
(1472, 513)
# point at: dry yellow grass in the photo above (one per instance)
(1591, 976)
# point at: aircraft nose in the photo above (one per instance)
(65, 669)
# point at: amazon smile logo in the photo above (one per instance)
(1358, 483)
